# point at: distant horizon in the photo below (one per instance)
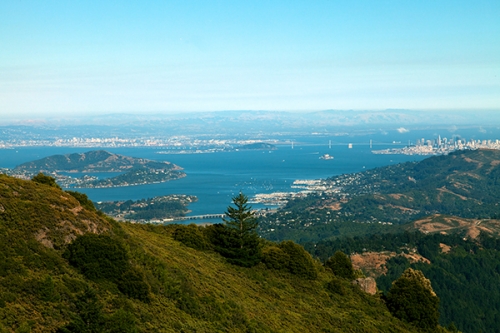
(292, 111)
(82, 58)
(268, 119)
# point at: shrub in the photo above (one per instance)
(121, 321)
(290, 257)
(132, 284)
(336, 286)
(301, 263)
(341, 265)
(83, 199)
(101, 257)
(89, 315)
(412, 300)
(275, 258)
(191, 236)
(47, 290)
(46, 180)
(98, 256)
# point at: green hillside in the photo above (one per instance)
(132, 171)
(452, 200)
(67, 268)
(464, 271)
(463, 184)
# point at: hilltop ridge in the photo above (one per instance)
(463, 184)
(165, 285)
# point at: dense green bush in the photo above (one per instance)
(132, 283)
(336, 286)
(275, 258)
(341, 265)
(412, 299)
(191, 236)
(46, 180)
(301, 263)
(98, 256)
(47, 290)
(89, 315)
(83, 199)
(291, 257)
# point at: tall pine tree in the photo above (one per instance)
(238, 241)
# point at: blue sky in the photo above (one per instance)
(94, 57)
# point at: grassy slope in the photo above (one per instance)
(266, 299)
(190, 290)
(463, 184)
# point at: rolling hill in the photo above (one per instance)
(66, 267)
(132, 171)
(463, 184)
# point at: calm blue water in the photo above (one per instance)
(215, 178)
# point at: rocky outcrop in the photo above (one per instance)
(368, 285)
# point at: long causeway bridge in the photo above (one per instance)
(200, 217)
(195, 217)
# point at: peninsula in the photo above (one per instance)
(94, 166)
(157, 209)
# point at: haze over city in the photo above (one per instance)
(90, 58)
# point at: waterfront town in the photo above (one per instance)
(169, 145)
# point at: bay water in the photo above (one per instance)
(217, 177)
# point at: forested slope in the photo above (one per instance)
(65, 267)
(465, 272)
(463, 184)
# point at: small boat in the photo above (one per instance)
(326, 157)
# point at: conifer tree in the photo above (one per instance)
(241, 219)
(238, 240)
(412, 299)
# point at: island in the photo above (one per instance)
(124, 170)
(157, 209)
(257, 146)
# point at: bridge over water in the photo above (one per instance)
(199, 217)
(196, 217)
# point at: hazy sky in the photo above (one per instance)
(84, 57)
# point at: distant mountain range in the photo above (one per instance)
(240, 122)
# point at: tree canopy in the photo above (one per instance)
(412, 299)
(341, 265)
(46, 180)
(238, 240)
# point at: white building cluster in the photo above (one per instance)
(441, 146)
